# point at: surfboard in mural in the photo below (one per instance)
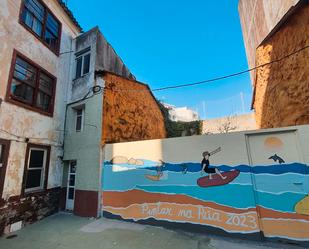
(153, 177)
(267, 194)
(215, 177)
(217, 180)
(159, 170)
(131, 194)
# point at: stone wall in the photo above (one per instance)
(281, 89)
(130, 115)
(258, 18)
(28, 209)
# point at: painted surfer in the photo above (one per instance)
(159, 169)
(160, 166)
(205, 164)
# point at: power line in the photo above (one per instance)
(231, 75)
(22, 139)
(217, 78)
(204, 81)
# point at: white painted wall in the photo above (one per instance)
(183, 114)
(234, 147)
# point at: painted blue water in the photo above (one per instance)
(274, 186)
(225, 195)
(124, 180)
(238, 196)
(272, 169)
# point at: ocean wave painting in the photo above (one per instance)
(275, 169)
(278, 196)
(248, 184)
(273, 191)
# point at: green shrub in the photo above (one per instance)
(178, 128)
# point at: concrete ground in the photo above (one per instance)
(66, 231)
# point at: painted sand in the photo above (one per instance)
(232, 207)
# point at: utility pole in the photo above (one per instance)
(242, 102)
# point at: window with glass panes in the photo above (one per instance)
(82, 62)
(36, 168)
(31, 85)
(40, 20)
(79, 119)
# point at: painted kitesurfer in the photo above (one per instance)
(205, 164)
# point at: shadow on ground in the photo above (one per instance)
(66, 231)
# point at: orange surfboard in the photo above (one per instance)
(153, 177)
(217, 180)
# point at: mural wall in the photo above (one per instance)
(244, 183)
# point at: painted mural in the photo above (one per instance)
(241, 199)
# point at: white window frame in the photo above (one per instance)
(82, 55)
(82, 118)
(27, 190)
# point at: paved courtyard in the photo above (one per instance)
(66, 231)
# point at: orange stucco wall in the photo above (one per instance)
(130, 111)
(258, 18)
(282, 88)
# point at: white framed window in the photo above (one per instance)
(36, 172)
(82, 63)
(79, 119)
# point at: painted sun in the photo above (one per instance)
(273, 143)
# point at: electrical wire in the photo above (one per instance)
(66, 52)
(204, 81)
(21, 139)
(213, 79)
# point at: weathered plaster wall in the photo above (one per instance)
(258, 18)
(108, 60)
(130, 111)
(84, 146)
(79, 87)
(160, 182)
(103, 58)
(281, 94)
(18, 122)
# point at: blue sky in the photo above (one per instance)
(169, 42)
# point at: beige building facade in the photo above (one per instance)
(35, 44)
(243, 122)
